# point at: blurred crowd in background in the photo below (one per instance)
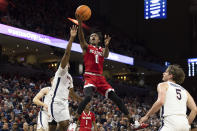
(19, 112)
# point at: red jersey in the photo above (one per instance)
(93, 59)
(86, 120)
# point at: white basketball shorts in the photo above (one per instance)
(42, 121)
(59, 111)
(175, 123)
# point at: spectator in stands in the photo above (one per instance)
(25, 126)
(106, 113)
(15, 127)
(5, 127)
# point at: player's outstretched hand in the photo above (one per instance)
(143, 119)
(138, 126)
(107, 40)
(73, 31)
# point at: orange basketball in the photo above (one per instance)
(84, 12)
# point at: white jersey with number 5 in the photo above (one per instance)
(176, 100)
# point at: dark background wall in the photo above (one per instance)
(169, 38)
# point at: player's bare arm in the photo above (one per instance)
(106, 49)
(83, 43)
(74, 95)
(78, 123)
(36, 99)
(192, 106)
(66, 57)
(95, 126)
(161, 89)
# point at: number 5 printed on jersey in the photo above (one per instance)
(178, 92)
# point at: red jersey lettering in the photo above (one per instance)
(93, 59)
(86, 120)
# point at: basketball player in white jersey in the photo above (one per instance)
(43, 117)
(62, 87)
(173, 101)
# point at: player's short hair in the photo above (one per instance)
(99, 35)
(177, 73)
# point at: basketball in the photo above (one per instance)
(84, 12)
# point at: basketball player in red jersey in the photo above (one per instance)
(86, 120)
(94, 56)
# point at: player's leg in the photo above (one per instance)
(112, 96)
(45, 118)
(88, 92)
(61, 114)
(105, 89)
(39, 122)
(63, 125)
(52, 125)
(89, 85)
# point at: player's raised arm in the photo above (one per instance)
(192, 106)
(81, 36)
(161, 89)
(36, 99)
(66, 57)
(106, 49)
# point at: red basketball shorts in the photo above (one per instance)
(102, 86)
(84, 129)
